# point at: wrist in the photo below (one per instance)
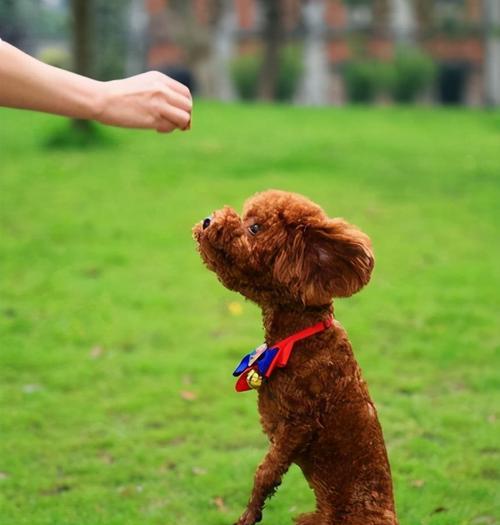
(95, 99)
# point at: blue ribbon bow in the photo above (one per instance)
(263, 362)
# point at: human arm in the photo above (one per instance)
(150, 100)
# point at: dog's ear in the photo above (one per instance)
(328, 259)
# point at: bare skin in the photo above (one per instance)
(149, 101)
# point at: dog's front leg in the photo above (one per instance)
(269, 473)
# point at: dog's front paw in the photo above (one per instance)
(250, 517)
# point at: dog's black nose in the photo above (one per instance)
(206, 222)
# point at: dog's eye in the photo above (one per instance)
(254, 229)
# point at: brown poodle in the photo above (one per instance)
(287, 256)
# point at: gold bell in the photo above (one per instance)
(254, 379)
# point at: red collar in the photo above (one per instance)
(285, 346)
(261, 362)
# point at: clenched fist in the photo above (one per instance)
(150, 100)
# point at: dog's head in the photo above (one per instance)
(285, 250)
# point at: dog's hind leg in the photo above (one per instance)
(270, 471)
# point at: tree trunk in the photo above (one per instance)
(425, 14)
(108, 38)
(80, 10)
(380, 14)
(273, 36)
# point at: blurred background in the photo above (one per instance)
(315, 52)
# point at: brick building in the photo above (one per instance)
(460, 35)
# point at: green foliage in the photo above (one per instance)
(361, 81)
(414, 73)
(245, 71)
(385, 78)
(245, 75)
(289, 73)
(117, 345)
(406, 78)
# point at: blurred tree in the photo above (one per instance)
(205, 39)
(381, 11)
(108, 43)
(194, 31)
(99, 42)
(81, 12)
(100, 37)
(273, 36)
(425, 13)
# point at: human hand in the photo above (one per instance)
(150, 100)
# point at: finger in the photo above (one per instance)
(177, 100)
(179, 87)
(165, 126)
(175, 115)
(164, 131)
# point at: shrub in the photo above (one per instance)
(245, 71)
(290, 73)
(414, 73)
(361, 81)
(407, 77)
(245, 74)
(385, 77)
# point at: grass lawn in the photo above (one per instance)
(117, 345)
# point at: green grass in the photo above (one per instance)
(108, 317)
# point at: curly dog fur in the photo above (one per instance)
(287, 256)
